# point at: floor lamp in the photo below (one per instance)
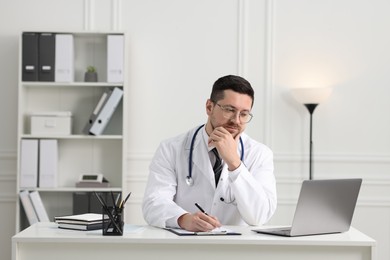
(311, 98)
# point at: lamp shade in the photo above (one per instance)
(311, 95)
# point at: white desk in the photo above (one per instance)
(45, 241)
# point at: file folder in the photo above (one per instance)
(64, 58)
(104, 111)
(37, 203)
(28, 207)
(115, 58)
(29, 163)
(81, 203)
(48, 163)
(103, 99)
(46, 57)
(30, 56)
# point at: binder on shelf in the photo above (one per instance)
(29, 163)
(99, 106)
(37, 203)
(103, 111)
(28, 207)
(80, 203)
(30, 56)
(48, 163)
(115, 58)
(64, 58)
(46, 57)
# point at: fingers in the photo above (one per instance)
(219, 134)
(198, 222)
(205, 222)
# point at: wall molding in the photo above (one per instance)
(242, 37)
(291, 157)
(269, 74)
(116, 15)
(338, 158)
(8, 155)
(89, 17)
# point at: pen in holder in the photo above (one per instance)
(112, 221)
(112, 216)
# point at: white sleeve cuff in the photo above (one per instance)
(233, 175)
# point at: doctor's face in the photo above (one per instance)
(232, 112)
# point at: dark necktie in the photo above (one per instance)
(217, 166)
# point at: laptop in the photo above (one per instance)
(323, 207)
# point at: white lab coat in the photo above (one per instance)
(246, 196)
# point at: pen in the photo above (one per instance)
(201, 209)
(124, 202)
(113, 199)
(104, 205)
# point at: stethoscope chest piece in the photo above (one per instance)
(189, 181)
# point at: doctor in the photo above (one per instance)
(181, 172)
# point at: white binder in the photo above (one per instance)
(64, 58)
(40, 210)
(115, 58)
(48, 163)
(103, 99)
(105, 113)
(28, 207)
(29, 163)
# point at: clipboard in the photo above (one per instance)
(214, 232)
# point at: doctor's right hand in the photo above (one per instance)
(198, 222)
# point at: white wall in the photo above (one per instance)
(178, 48)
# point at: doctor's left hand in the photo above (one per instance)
(198, 222)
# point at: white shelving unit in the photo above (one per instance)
(78, 153)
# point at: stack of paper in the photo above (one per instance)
(87, 221)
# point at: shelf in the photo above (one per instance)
(74, 189)
(40, 84)
(83, 137)
(75, 151)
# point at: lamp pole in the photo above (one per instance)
(311, 108)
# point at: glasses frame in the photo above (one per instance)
(228, 109)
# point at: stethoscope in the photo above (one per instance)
(189, 179)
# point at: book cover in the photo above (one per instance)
(80, 218)
(91, 226)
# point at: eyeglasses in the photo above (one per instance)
(229, 112)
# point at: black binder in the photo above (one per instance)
(46, 56)
(30, 56)
(80, 203)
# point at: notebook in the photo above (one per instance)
(215, 232)
(323, 207)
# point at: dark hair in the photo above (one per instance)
(232, 82)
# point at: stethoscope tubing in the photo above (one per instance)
(189, 179)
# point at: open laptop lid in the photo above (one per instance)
(325, 206)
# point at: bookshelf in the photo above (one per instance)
(78, 152)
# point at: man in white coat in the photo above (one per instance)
(181, 172)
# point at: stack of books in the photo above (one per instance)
(87, 221)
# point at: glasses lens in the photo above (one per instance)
(229, 113)
(245, 117)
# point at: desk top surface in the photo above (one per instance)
(50, 233)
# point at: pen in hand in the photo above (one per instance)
(201, 209)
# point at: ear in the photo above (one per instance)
(209, 106)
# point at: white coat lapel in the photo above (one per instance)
(200, 158)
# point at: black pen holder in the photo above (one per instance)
(112, 221)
